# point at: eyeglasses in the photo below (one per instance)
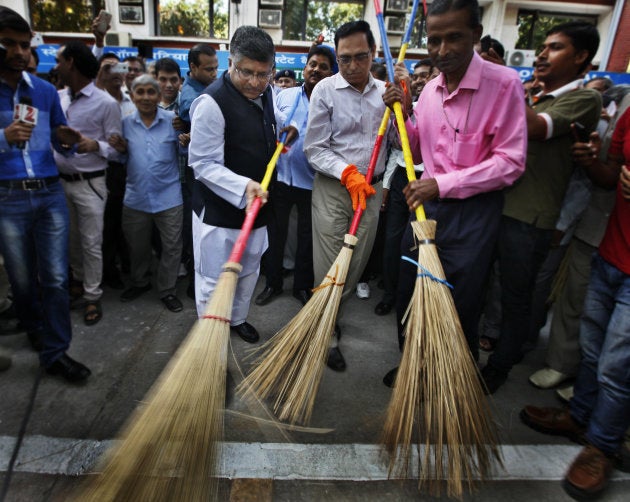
(248, 75)
(362, 57)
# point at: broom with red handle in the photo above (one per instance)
(171, 445)
(290, 365)
(437, 393)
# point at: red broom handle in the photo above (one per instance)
(248, 224)
(356, 219)
(246, 230)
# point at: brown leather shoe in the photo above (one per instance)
(554, 421)
(588, 475)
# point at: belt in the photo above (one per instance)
(82, 176)
(29, 183)
(377, 178)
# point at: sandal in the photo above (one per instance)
(487, 344)
(93, 313)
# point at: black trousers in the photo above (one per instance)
(397, 219)
(282, 199)
(466, 235)
(114, 242)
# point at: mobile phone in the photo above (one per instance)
(104, 18)
(120, 68)
(580, 133)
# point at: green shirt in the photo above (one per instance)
(536, 197)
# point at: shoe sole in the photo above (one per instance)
(578, 494)
(576, 438)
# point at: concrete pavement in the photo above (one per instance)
(71, 426)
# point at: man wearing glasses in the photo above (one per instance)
(344, 116)
(232, 138)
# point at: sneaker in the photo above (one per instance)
(548, 378)
(363, 290)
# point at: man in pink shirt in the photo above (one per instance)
(471, 134)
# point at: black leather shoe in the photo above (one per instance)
(492, 379)
(247, 332)
(69, 369)
(335, 361)
(383, 308)
(390, 378)
(267, 295)
(303, 295)
(172, 303)
(134, 292)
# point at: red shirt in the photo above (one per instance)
(615, 247)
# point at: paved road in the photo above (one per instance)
(71, 426)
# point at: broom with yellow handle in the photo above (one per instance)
(170, 446)
(437, 392)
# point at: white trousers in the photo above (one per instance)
(211, 248)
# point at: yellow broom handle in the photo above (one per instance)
(404, 140)
(271, 165)
(383, 127)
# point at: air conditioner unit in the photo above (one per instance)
(395, 25)
(268, 18)
(397, 6)
(521, 57)
(272, 2)
(118, 39)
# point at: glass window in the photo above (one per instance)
(306, 19)
(193, 18)
(64, 15)
(534, 24)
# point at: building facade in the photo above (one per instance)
(139, 22)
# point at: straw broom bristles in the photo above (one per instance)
(171, 445)
(437, 391)
(291, 364)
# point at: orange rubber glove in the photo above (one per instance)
(356, 185)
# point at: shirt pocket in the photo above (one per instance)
(466, 149)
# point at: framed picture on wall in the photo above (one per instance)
(131, 14)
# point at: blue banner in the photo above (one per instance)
(284, 60)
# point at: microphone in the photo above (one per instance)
(25, 112)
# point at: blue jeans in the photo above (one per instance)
(601, 397)
(34, 242)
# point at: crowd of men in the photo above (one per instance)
(127, 171)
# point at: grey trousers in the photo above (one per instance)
(137, 227)
(563, 350)
(332, 214)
